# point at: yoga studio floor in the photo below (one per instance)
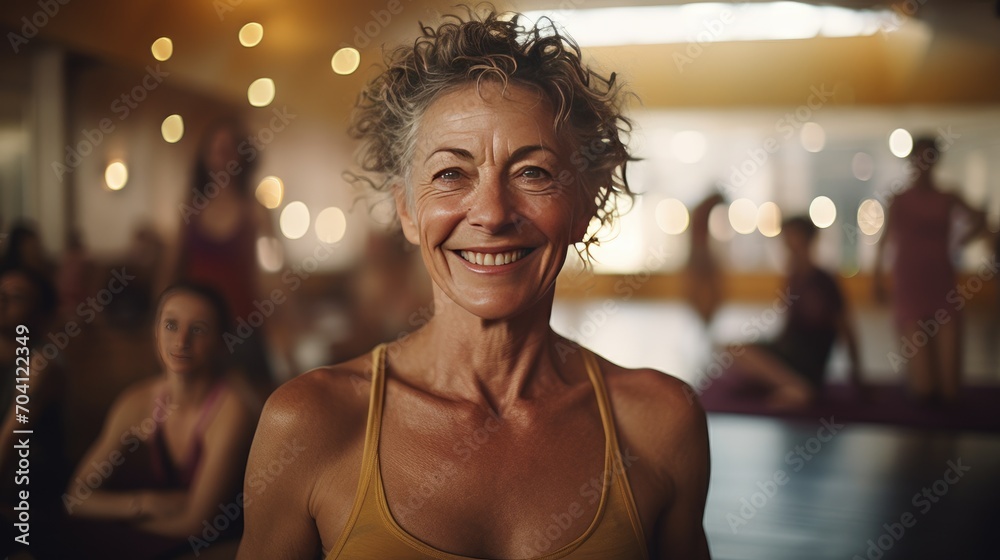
(825, 488)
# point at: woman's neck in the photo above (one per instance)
(189, 389)
(460, 356)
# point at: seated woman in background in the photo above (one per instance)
(484, 434)
(173, 449)
(791, 368)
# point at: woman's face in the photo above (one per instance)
(492, 221)
(187, 333)
(221, 150)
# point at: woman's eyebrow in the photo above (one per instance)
(525, 150)
(464, 154)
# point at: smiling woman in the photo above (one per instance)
(485, 434)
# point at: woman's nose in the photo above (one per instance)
(490, 205)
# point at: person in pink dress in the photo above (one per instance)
(920, 227)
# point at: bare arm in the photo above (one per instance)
(84, 497)
(279, 522)
(680, 530)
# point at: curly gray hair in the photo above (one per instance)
(588, 107)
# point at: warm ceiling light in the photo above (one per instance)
(743, 216)
(769, 219)
(871, 216)
(346, 61)
(116, 175)
(163, 48)
(900, 143)
(331, 224)
(294, 220)
(172, 128)
(822, 211)
(251, 34)
(270, 192)
(672, 216)
(261, 92)
(716, 22)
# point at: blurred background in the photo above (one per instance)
(784, 108)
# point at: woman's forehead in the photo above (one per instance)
(488, 107)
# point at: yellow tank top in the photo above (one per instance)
(372, 533)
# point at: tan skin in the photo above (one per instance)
(187, 339)
(482, 180)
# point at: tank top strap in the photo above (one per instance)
(205, 415)
(369, 461)
(617, 474)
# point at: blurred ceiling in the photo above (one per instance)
(954, 59)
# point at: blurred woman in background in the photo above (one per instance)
(920, 226)
(173, 448)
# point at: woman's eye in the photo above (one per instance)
(535, 173)
(170, 326)
(448, 175)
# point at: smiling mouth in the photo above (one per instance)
(494, 259)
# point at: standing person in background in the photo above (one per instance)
(919, 225)
(702, 275)
(221, 223)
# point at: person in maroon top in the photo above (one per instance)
(792, 367)
(221, 223)
(172, 453)
(920, 226)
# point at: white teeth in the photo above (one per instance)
(493, 259)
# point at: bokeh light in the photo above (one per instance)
(672, 216)
(294, 220)
(162, 48)
(769, 219)
(331, 224)
(871, 216)
(900, 143)
(743, 216)
(822, 211)
(116, 175)
(261, 92)
(270, 192)
(251, 34)
(346, 61)
(172, 129)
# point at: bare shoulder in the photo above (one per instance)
(657, 413)
(651, 392)
(325, 407)
(138, 398)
